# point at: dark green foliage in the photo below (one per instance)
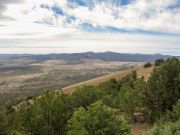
(62, 111)
(125, 94)
(110, 87)
(176, 110)
(10, 122)
(113, 86)
(48, 115)
(129, 79)
(37, 117)
(126, 99)
(147, 65)
(158, 62)
(164, 87)
(3, 123)
(109, 100)
(134, 75)
(77, 122)
(130, 96)
(85, 96)
(175, 114)
(113, 81)
(97, 120)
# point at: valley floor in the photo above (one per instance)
(21, 78)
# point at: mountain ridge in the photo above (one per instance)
(105, 56)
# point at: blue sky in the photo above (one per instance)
(55, 26)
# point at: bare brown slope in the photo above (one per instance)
(141, 71)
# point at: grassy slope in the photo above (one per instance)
(141, 71)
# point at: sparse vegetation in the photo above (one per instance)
(168, 124)
(168, 128)
(21, 78)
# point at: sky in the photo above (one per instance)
(66, 26)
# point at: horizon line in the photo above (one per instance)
(89, 52)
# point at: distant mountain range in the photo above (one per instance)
(105, 56)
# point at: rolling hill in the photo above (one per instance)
(141, 71)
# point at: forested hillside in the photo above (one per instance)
(110, 108)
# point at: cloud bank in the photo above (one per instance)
(57, 20)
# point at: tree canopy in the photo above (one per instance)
(98, 119)
(164, 86)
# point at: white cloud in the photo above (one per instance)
(31, 22)
(143, 14)
(150, 15)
